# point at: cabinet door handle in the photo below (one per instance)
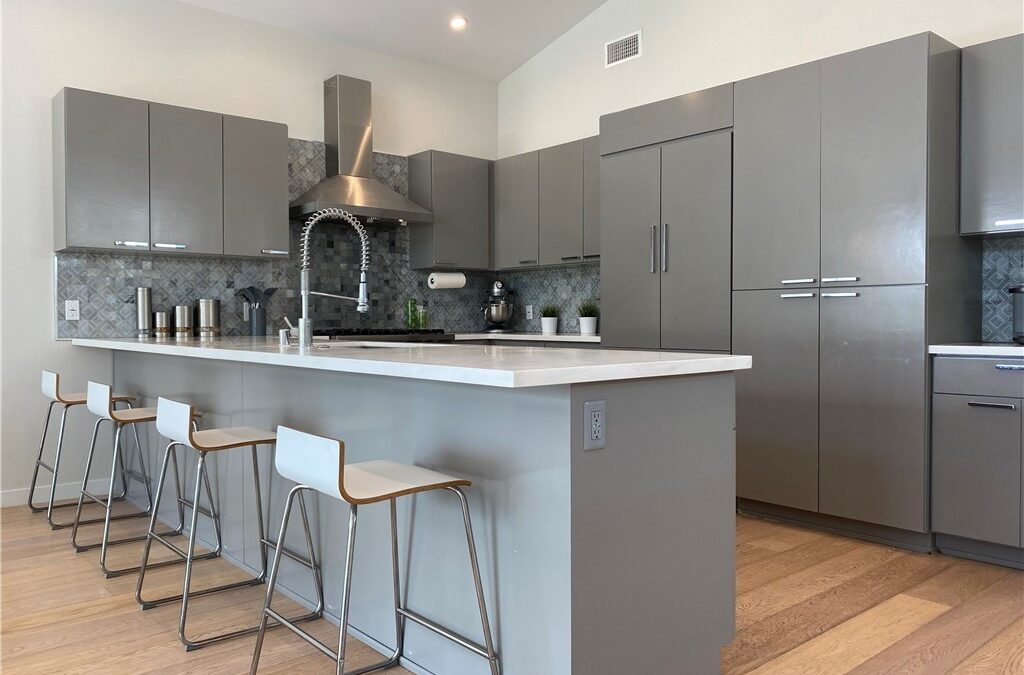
(796, 295)
(527, 262)
(833, 280)
(273, 251)
(176, 247)
(785, 282)
(132, 244)
(572, 257)
(986, 404)
(449, 262)
(664, 247)
(654, 235)
(840, 295)
(591, 256)
(1010, 366)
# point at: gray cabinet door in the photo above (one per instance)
(872, 447)
(777, 399)
(255, 187)
(630, 217)
(976, 467)
(696, 243)
(561, 203)
(992, 137)
(776, 179)
(591, 197)
(101, 171)
(516, 210)
(874, 146)
(186, 180)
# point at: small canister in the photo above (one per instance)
(162, 324)
(183, 322)
(209, 318)
(144, 311)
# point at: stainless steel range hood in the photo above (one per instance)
(350, 185)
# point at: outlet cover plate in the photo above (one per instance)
(595, 425)
(71, 310)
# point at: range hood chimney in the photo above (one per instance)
(350, 185)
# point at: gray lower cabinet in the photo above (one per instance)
(777, 400)
(560, 203)
(516, 211)
(992, 137)
(456, 188)
(186, 180)
(776, 175)
(976, 467)
(100, 171)
(630, 225)
(696, 240)
(873, 398)
(591, 197)
(255, 187)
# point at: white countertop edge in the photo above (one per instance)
(538, 337)
(493, 377)
(977, 350)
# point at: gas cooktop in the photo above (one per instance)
(385, 334)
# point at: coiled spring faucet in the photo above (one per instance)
(362, 302)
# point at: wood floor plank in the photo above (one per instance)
(1002, 655)
(960, 581)
(767, 569)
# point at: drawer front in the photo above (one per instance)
(979, 376)
(976, 468)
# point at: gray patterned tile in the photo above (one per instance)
(1002, 266)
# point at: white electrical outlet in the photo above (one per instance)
(529, 312)
(71, 310)
(594, 425)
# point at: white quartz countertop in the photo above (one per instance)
(536, 337)
(978, 349)
(489, 365)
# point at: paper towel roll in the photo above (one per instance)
(446, 280)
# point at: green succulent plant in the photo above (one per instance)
(589, 309)
(549, 311)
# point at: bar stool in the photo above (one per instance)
(318, 464)
(174, 421)
(51, 390)
(100, 401)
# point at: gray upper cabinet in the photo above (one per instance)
(696, 237)
(101, 171)
(561, 203)
(456, 188)
(777, 400)
(776, 176)
(516, 211)
(873, 405)
(186, 180)
(630, 226)
(992, 137)
(591, 197)
(255, 187)
(874, 163)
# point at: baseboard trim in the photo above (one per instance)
(19, 496)
(997, 554)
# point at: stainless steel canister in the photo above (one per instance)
(209, 317)
(144, 311)
(183, 321)
(162, 324)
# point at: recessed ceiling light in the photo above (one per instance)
(457, 23)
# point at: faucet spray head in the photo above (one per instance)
(363, 305)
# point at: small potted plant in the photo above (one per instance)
(588, 318)
(549, 320)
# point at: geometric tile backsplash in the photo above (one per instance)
(104, 281)
(1002, 266)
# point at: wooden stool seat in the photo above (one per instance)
(380, 480)
(79, 398)
(133, 415)
(210, 440)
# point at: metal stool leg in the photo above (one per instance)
(491, 655)
(346, 585)
(39, 460)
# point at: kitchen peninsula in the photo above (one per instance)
(581, 551)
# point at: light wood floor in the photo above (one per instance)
(807, 602)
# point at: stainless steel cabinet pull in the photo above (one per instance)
(449, 262)
(176, 247)
(1010, 366)
(133, 244)
(833, 280)
(589, 256)
(796, 295)
(986, 404)
(664, 247)
(840, 295)
(572, 257)
(274, 251)
(527, 262)
(654, 235)
(797, 281)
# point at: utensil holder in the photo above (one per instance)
(258, 321)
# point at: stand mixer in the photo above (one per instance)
(497, 308)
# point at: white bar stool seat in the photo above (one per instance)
(174, 421)
(318, 464)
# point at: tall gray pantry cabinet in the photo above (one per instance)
(847, 264)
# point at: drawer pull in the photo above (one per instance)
(176, 247)
(444, 262)
(796, 295)
(833, 280)
(572, 257)
(273, 251)
(527, 262)
(1010, 366)
(985, 404)
(840, 295)
(796, 281)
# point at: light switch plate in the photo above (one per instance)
(595, 425)
(71, 310)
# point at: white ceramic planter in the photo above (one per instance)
(549, 325)
(588, 325)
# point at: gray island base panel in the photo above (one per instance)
(581, 552)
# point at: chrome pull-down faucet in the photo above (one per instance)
(362, 302)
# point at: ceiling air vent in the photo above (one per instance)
(622, 49)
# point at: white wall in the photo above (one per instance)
(175, 53)
(689, 45)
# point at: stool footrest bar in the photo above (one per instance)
(147, 604)
(444, 632)
(291, 554)
(327, 651)
(202, 509)
(191, 645)
(44, 465)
